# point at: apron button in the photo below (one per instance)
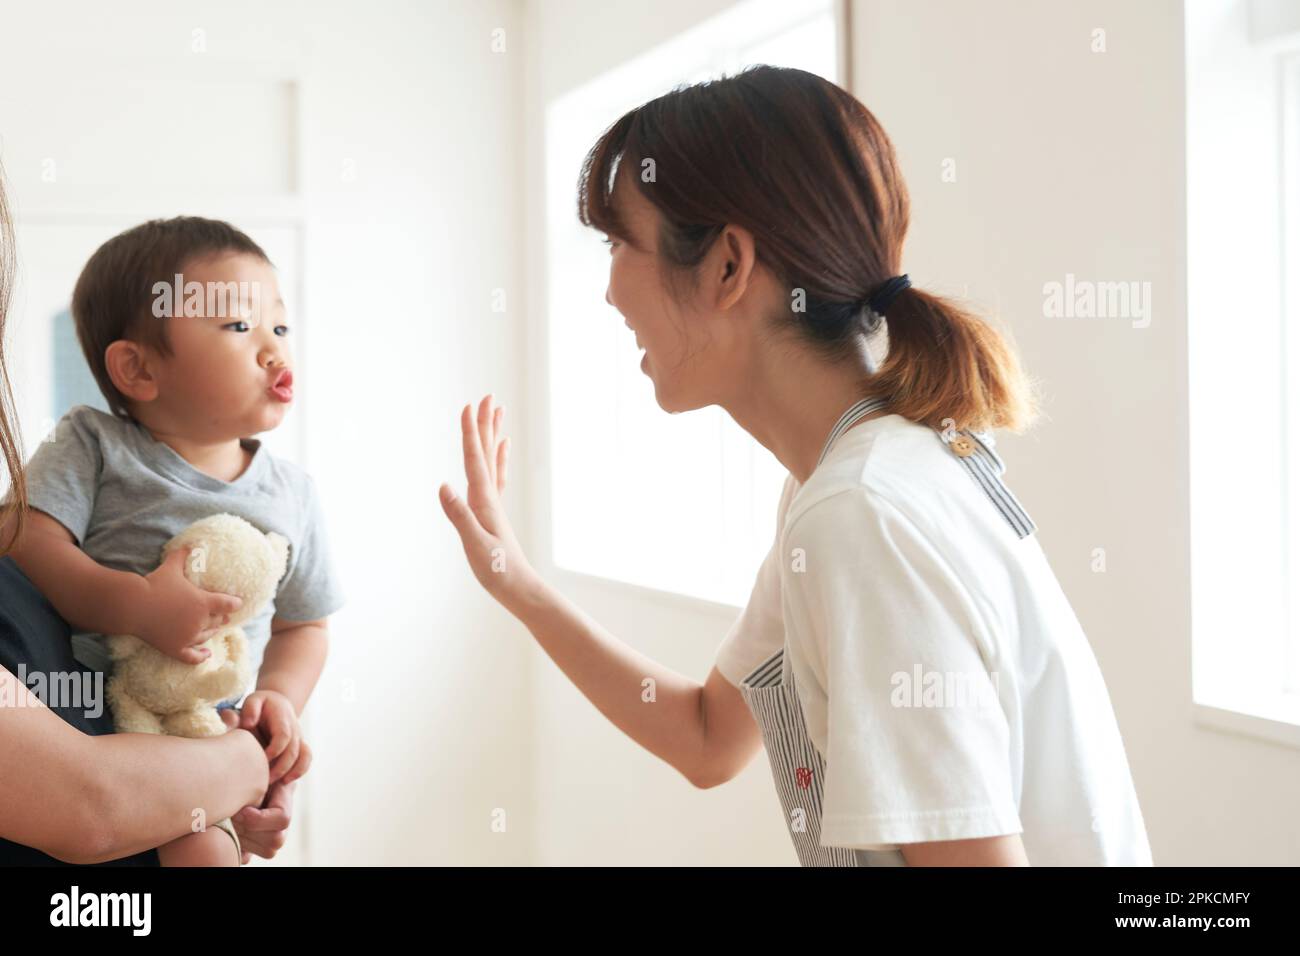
(963, 446)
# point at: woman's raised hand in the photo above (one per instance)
(480, 519)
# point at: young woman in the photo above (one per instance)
(74, 791)
(922, 687)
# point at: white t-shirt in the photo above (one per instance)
(942, 673)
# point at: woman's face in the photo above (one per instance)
(692, 351)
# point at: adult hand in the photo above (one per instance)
(480, 519)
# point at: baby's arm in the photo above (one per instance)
(164, 608)
(87, 595)
(291, 666)
(295, 654)
(294, 659)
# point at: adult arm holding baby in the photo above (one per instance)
(81, 798)
(86, 799)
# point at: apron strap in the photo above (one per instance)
(973, 449)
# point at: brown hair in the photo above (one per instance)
(807, 169)
(15, 503)
(114, 294)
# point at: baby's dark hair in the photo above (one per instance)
(115, 291)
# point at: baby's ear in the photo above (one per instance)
(279, 548)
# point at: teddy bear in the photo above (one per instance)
(152, 693)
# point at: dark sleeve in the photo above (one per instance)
(34, 640)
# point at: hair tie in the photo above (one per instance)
(881, 298)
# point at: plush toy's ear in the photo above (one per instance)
(279, 548)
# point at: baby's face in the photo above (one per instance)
(230, 371)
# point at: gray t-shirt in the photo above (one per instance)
(123, 495)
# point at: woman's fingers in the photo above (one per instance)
(462, 518)
(485, 460)
(503, 452)
(487, 437)
(475, 468)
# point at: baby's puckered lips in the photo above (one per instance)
(282, 388)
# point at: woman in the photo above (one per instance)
(70, 795)
(920, 683)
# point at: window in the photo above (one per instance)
(678, 503)
(1243, 267)
(1290, 351)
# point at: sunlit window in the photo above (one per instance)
(1243, 273)
(677, 503)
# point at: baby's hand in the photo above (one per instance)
(180, 615)
(271, 716)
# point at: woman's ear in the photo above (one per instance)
(735, 268)
(130, 368)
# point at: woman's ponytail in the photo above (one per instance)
(947, 367)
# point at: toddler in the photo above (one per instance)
(183, 326)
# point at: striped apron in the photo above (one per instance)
(770, 692)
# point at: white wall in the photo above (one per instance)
(403, 262)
